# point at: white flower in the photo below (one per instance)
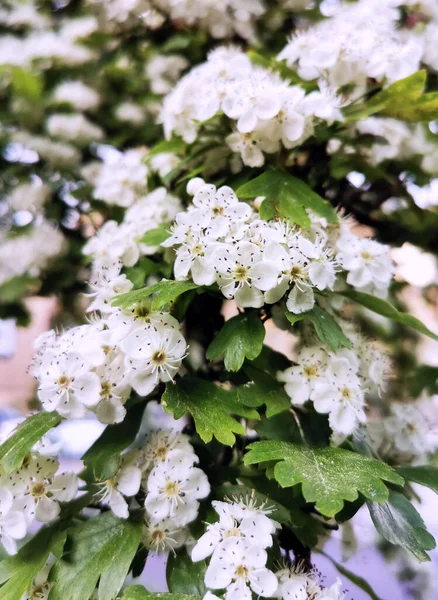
(300, 300)
(300, 380)
(241, 568)
(29, 196)
(131, 113)
(126, 482)
(74, 128)
(334, 592)
(235, 520)
(163, 536)
(153, 355)
(234, 278)
(295, 584)
(164, 444)
(409, 431)
(12, 522)
(67, 385)
(174, 488)
(76, 93)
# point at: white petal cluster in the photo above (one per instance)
(361, 41)
(237, 545)
(265, 110)
(77, 94)
(57, 154)
(164, 71)
(29, 196)
(29, 252)
(32, 493)
(332, 381)
(115, 242)
(74, 128)
(219, 239)
(296, 584)
(94, 366)
(122, 178)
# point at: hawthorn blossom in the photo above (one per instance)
(12, 522)
(125, 483)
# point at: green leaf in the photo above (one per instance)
(166, 292)
(184, 576)
(289, 196)
(399, 95)
(400, 523)
(138, 592)
(210, 407)
(154, 237)
(356, 579)
(325, 326)
(384, 308)
(175, 145)
(102, 460)
(16, 288)
(14, 450)
(17, 572)
(425, 377)
(424, 475)
(328, 475)
(102, 547)
(263, 389)
(27, 84)
(241, 337)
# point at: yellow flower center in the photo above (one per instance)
(218, 210)
(366, 256)
(310, 371)
(159, 357)
(106, 388)
(346, 393)
(241, 572)
(63, 381)
(38, 490)
(233, 532)
(142, 311)
(161, 452)
(171, 489)
(241, 273)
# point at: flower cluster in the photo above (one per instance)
(237, 545)
(29, 252)
(32, 493)
(294, 582)
(265, 109)
(94, 366)
(122, 242)
(337, 382)
(220, 239)
(362, 41)
(121, 178)
(164, 470)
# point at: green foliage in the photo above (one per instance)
(154, 237)
(17, 572)
(287, 197)
(175, 145)
(398, 96)
(263, 389)
(424, 377)
(210, 407)
(426, 475)
(14, 450)
(325, 326)
(164, 292)
(184, 576)
(328, 475)
(102, 547)
(102, 460)
(241, 337)
(17, 287)
(400, 523)
(26, 84)
(384, 308)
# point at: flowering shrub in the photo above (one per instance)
(201, 195)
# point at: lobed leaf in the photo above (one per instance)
(329, 476)
(210, 406)
(241, 337)
(184, 576)
(426, 475)
(288, 196)
(263, 389)
(138, 592)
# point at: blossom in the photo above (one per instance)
(174, 489)
(126, 482)
(12, 522)
(241, 568)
